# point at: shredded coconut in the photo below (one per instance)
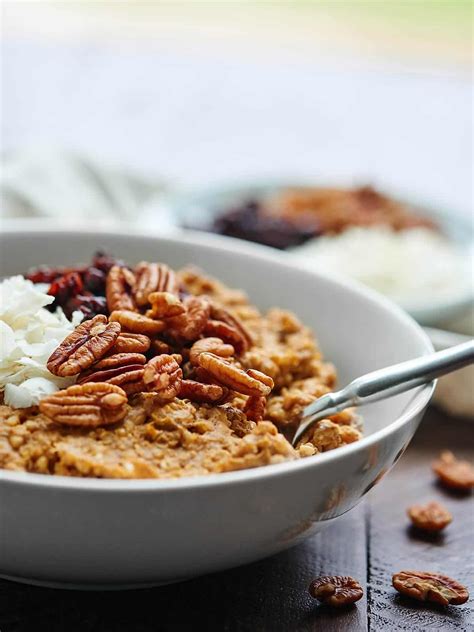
(29, 333)
(411, 266)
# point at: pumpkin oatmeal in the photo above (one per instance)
(169, 374)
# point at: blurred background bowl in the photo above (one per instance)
(198, 208)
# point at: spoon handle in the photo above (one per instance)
(387, 382)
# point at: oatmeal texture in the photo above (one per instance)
(226, 413)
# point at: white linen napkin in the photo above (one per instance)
(64, 185)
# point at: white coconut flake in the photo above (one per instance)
(29, 392)
(29, 333)
(410, 266)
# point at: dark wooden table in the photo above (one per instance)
(370, 543)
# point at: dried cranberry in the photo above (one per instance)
(77, 288)
(94, 281)
(89, 305)
(104, 261)
(251, 223)
(43, 274)
(48, 274)
(65, 287)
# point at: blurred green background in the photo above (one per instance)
(433, 30)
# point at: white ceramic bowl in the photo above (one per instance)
(110, 533)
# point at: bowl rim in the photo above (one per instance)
(418, 403)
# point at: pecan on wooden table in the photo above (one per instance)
(453, 472)
(426, 586)
(336, 591)
(430, 517)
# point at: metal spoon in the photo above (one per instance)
(384, 383)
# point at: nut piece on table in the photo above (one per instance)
(89, 342)
(131, 343)
(153, 277)
(86, 405)
(137, 323)
(430, 517)
(454, 473)
(336, 591)
(210, 345)
(249, 382)
(118, 289)
(426, 586)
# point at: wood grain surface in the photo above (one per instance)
(371, 542)
(394, 546)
